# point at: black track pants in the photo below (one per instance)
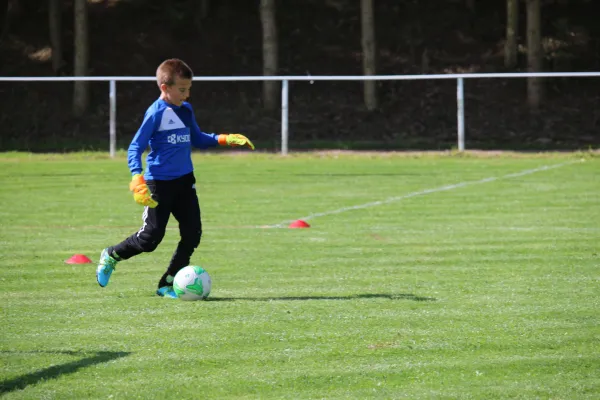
(177, 197)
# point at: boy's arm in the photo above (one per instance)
(201, 139)
(204, 140)
(139, 143)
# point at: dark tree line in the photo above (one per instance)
(270, 44)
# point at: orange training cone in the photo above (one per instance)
(78, 259)
(299, 224)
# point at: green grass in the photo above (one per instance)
(485, 290)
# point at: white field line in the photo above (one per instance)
(422, 193)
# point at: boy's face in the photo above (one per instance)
(176, 93)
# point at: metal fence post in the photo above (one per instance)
(113, 117)
(284, 116)
(460, 113)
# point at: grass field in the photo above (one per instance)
(421, 277)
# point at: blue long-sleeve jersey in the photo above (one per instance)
(170, 131)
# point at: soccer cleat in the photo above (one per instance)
(167, 291)
(106, 266)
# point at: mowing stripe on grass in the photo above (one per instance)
(424, 192)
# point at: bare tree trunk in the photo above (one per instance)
(534, 53)
(12, 11)
(368, 49)
(81, 89)
(470, 4)
(201, 10)
(270, 55)
(204, 7)
(54, 20)
(512, 32)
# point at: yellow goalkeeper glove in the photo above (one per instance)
(235, 139)
(141, 193)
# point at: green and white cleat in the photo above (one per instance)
(106, 266)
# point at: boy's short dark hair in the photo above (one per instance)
(170, 69)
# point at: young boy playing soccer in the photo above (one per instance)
(168, 184)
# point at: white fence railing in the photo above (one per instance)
(460, 100)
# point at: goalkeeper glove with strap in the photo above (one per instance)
(234, 140)
(141, 193)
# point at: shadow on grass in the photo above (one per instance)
(401, 296)
(55, 371)
(355, 175)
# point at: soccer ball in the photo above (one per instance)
(192, 283)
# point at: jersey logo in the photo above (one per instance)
(175, 138)
(170, 121)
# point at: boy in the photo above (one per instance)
(168, 184)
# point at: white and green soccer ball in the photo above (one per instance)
(192, 283)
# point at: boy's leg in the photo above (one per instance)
(186, 209)
(145, 240)
(152, 232)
